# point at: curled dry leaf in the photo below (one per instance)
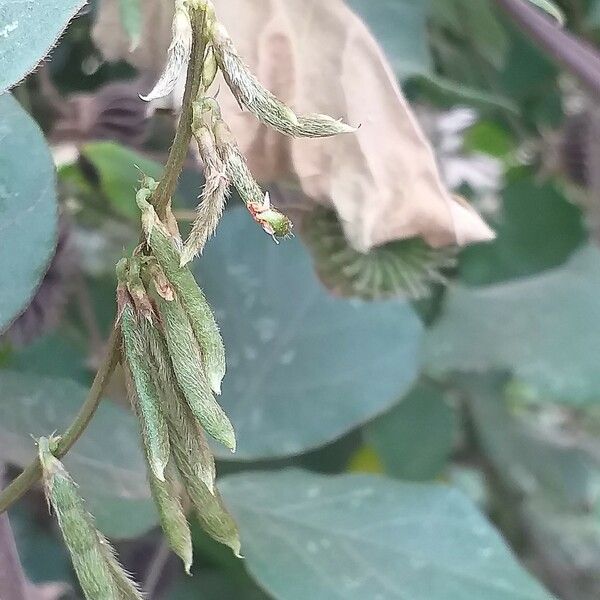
(319, 56)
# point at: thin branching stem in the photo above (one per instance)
(183, 135)
(33, 472)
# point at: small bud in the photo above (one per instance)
(250, 93)
(275, 223)
(187, 361)
(98, 571)
(189, 294)
(178, 56)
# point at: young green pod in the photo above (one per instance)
(185, 433)
(166, 496)
(250, 93)
(178, 54)
(137, 291)
(100, 574)
(143, 392)
(273, 222)
(212, 513)
(191, 297)
(186, 359)
(214, 196)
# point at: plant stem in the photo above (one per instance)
(580, 58)
(161, 201)
(33, 472)
(183, 135)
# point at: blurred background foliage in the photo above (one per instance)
(348, 410)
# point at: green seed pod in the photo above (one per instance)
(212, 513)
(166, 495)
(186, 359)
(250, 93)
(185, 433)
(191, 297)
(100, 575)
(275, 223)
(142, 391)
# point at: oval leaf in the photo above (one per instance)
(303, 367)
(28, 30)
(28, 210)
(543, 328)
(364, 536)
(106, 461)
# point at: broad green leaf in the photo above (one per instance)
(303, 367)
(538, 228)
(120, 171)
(415, 438)
(28, 30)
(543, 328)
(28, 210)
(106, 462)
(400, 26)
(365, 536)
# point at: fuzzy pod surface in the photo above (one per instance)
(143, 392)
(186, 359)
(200, 315)
(166, 496)
(99, 573)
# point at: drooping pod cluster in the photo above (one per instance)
(98, 570)
(224, 163)
(173, 359)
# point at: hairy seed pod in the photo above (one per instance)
(189, 294)
(250, 93)
(212, 513)
(142, 391)
(257, 202)
(178, 55)
(100, 574)
(166, 495)
(186, 359)
(185, 433)
(214, 196)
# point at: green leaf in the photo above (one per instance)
(364, 536)
(106, 462)
(120, 170)
(400, 26)
(415, 438)
(303, 367)
(28, 30)
(538, 229)
(28, 211)
(543, 328)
